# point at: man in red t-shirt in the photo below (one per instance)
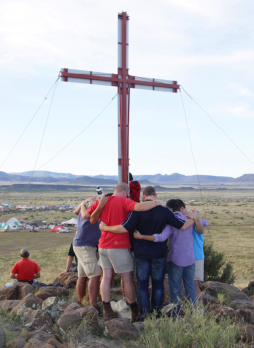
(114, 248)
(25, 270)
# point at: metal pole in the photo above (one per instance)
(123, 98)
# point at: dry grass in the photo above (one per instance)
(229, 212)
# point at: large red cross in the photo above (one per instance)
(124, 82)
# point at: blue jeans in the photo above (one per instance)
(175, 276)
(145, 267)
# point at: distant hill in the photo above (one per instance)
(245, 178)
(157, 179)
(46, 174)
(88, 180)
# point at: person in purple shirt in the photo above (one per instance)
(181, 260)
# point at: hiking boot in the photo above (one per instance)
(134, 312)
(108, 313)
(99, 310)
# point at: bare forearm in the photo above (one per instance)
(145, 206)
(69, 262)
(84, 213)
(150, 238)
(37, 275)
(188, 223)
(115, 229)
(95, 215)
(77, 210)
(199, 226)
(13, 276)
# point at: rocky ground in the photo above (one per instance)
(49, 317)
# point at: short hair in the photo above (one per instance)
(130, 177)
(24, 253)
(122, 187)
(175, 204)
(149, 191)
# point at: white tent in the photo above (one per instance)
(13, 221)
(72, 222)
(4, 226)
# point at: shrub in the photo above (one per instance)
(216, 268)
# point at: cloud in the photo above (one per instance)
(241, 112)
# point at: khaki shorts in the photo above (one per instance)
(87, 261)
(118, 259)
(199, 270)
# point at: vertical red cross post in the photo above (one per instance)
(124, 82)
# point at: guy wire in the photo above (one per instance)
(193, 157)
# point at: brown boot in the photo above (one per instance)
(108, 313)
(134, 312)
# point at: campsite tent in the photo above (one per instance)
(71, 222)
(36, 223)
(13, 221)
(4, 226)
(58, 228)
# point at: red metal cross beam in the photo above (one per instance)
(124, 82)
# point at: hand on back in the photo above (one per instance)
(102, 201)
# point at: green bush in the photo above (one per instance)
(216, 268)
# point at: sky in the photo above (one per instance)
(207, 46)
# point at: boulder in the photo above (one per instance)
(18, 291)
(35, 343)
(208, 299)
(68, 280)
(247, 314)
(37, 319)
(2, 338)
(26, 314)
(247, 333)
(24, 289)
(238, 304)
(252, 297)
(40, 335)
(215, 288)
(48, 329)
(139, 326)
(227, 312)
(52, 291)
(93, 344)
(73, 306)
(75, 317)
(55, 343)
(120, 328)
(30, 301)
(19, 342)
(245, 290)
(9, 293)
(55, 307)
(240, 296)
(8, 305)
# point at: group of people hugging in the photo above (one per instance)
(118, 234)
